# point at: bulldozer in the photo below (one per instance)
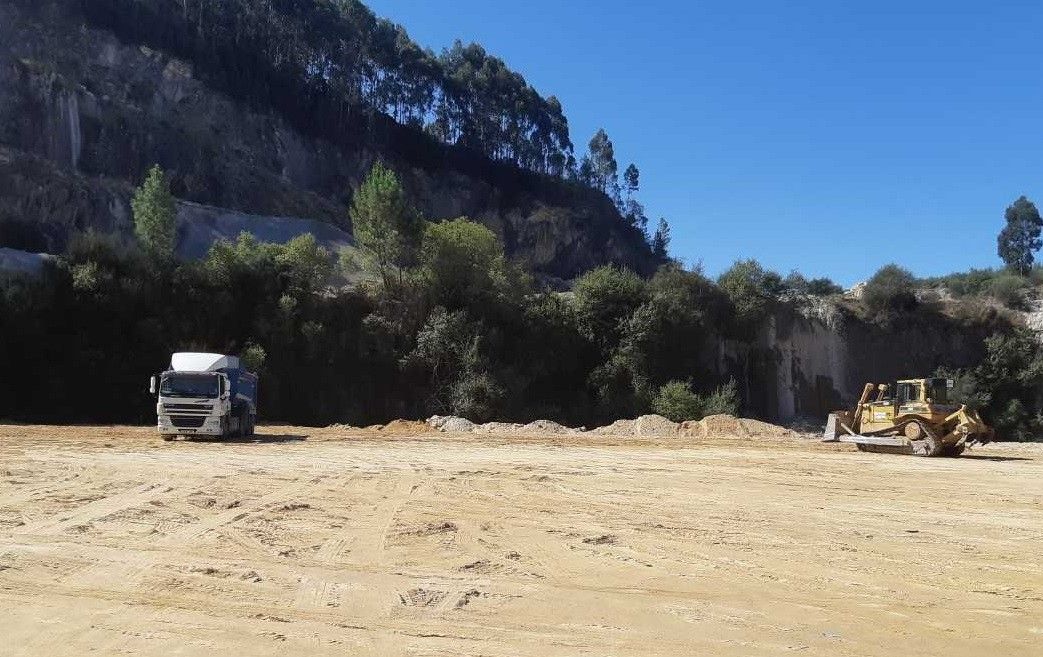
(919, 418)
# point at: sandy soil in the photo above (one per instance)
(327, 542)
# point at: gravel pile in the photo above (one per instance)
(450, 424)
(547, 426)
(644, 426)
(728, 426)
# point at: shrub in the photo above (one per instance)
(819, 287)
(722, 401)
(253, 356)
(477, 397)
(676, 401)
(823, 287)
(751, 290)
(890, 289)
(1010, 289)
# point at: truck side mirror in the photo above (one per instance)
(152, 385)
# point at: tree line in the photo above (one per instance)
(443, 323)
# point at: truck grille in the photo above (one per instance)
(205, 408)
(188, 421)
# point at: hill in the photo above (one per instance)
(87, 104)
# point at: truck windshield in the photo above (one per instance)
(189, 385)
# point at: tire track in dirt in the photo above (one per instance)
(95, 510)
(127, 574)
(313, 591)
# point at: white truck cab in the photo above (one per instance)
(205, 394)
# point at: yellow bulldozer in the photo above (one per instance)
(915, 417)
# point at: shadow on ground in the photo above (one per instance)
(257, 439)
(985, 457)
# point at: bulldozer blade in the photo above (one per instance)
(832, 425)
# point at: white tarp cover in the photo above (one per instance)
(191, 361)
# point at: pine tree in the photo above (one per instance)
(155, 216)
(384, 224)
(661, 239)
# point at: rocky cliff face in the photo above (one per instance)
(809, 361)
(82, 116)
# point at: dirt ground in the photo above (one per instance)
(338, 542)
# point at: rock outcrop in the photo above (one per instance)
(805, 364)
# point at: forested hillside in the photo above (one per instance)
(322, 63)
(280, 109)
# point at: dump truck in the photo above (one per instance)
(917, 416)
(204, 394)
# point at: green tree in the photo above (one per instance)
(684, 308)
(599, 167)
(605, 298)
(661, 239)
(385, 225)
(892, 288)
(155, 216)
(1009, 381)
(631, 180)
(631, 208)
(306, 264)
(462, 263)
(752, 291)
(1020, 238)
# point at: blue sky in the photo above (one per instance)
(830, 137)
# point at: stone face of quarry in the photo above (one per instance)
(403, 540)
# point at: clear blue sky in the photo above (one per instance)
(830, 137)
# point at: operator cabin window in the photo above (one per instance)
(907, 393)
(939, 391)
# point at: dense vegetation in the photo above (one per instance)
(447, 325)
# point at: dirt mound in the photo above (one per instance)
(646, 425)
(450, 424)
(406, 427)
(728, 426)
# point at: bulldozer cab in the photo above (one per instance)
(922, 393)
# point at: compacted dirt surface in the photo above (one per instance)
(400, 542)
